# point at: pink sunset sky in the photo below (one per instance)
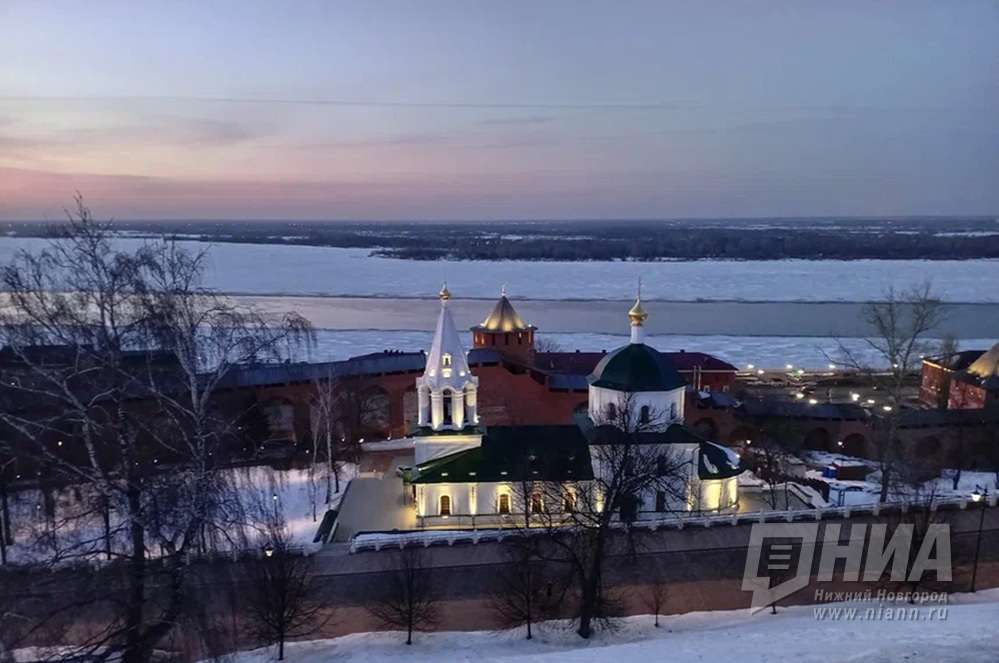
(498, 110)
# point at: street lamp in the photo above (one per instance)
(268, 551)
(980, 495)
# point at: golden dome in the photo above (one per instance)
(503, 318)
(444, 294)
(637, 314)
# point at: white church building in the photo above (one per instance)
(468, 475)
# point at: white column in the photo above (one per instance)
(637, 333)
(424, 405)
(458, 409)
(471, 404)
(436, 410)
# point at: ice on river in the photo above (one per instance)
(314, 270)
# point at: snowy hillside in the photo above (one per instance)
(965, 632)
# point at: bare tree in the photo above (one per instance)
(524, 596)
(901, 325)
(547, 344)
(770, 455)
(326, 443)
(407, 600)
(358, 410)
(580, 519)
(655, 595)
(282, 601)
(118, 356)
(948, 345)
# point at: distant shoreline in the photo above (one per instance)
(818, 239)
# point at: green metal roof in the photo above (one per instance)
(513, 453)
(636, 367)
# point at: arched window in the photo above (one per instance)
(446, 359)
(643, 416)
(569, 501)
(672, 410)
(504, 503)
(445, 509)
(536, 503)
(611, 411)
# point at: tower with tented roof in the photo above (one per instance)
(505, 331)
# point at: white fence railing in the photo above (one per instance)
(375, 541)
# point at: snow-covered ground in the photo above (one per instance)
(964, 631)
(298, 495)
(855, 493)
(279, 269)
(763, 351)
(296, 498)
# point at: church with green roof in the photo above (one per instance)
(466, 474)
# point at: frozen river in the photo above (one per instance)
(608, 317)
(766, 313)
(308, 270)
(762, 351)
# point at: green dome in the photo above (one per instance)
(636, 367)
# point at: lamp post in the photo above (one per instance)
(268, 551)
(978, 496)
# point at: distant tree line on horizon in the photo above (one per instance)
(732, 239)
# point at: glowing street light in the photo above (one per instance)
(750, 366)
(887, 408)
(799, 395)
(812, 401)
(855, 397)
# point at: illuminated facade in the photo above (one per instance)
(467, 476)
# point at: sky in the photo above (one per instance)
(495, 110)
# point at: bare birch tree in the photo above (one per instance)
(901, 325)
(118, 356)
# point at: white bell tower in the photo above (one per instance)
(447, 390)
